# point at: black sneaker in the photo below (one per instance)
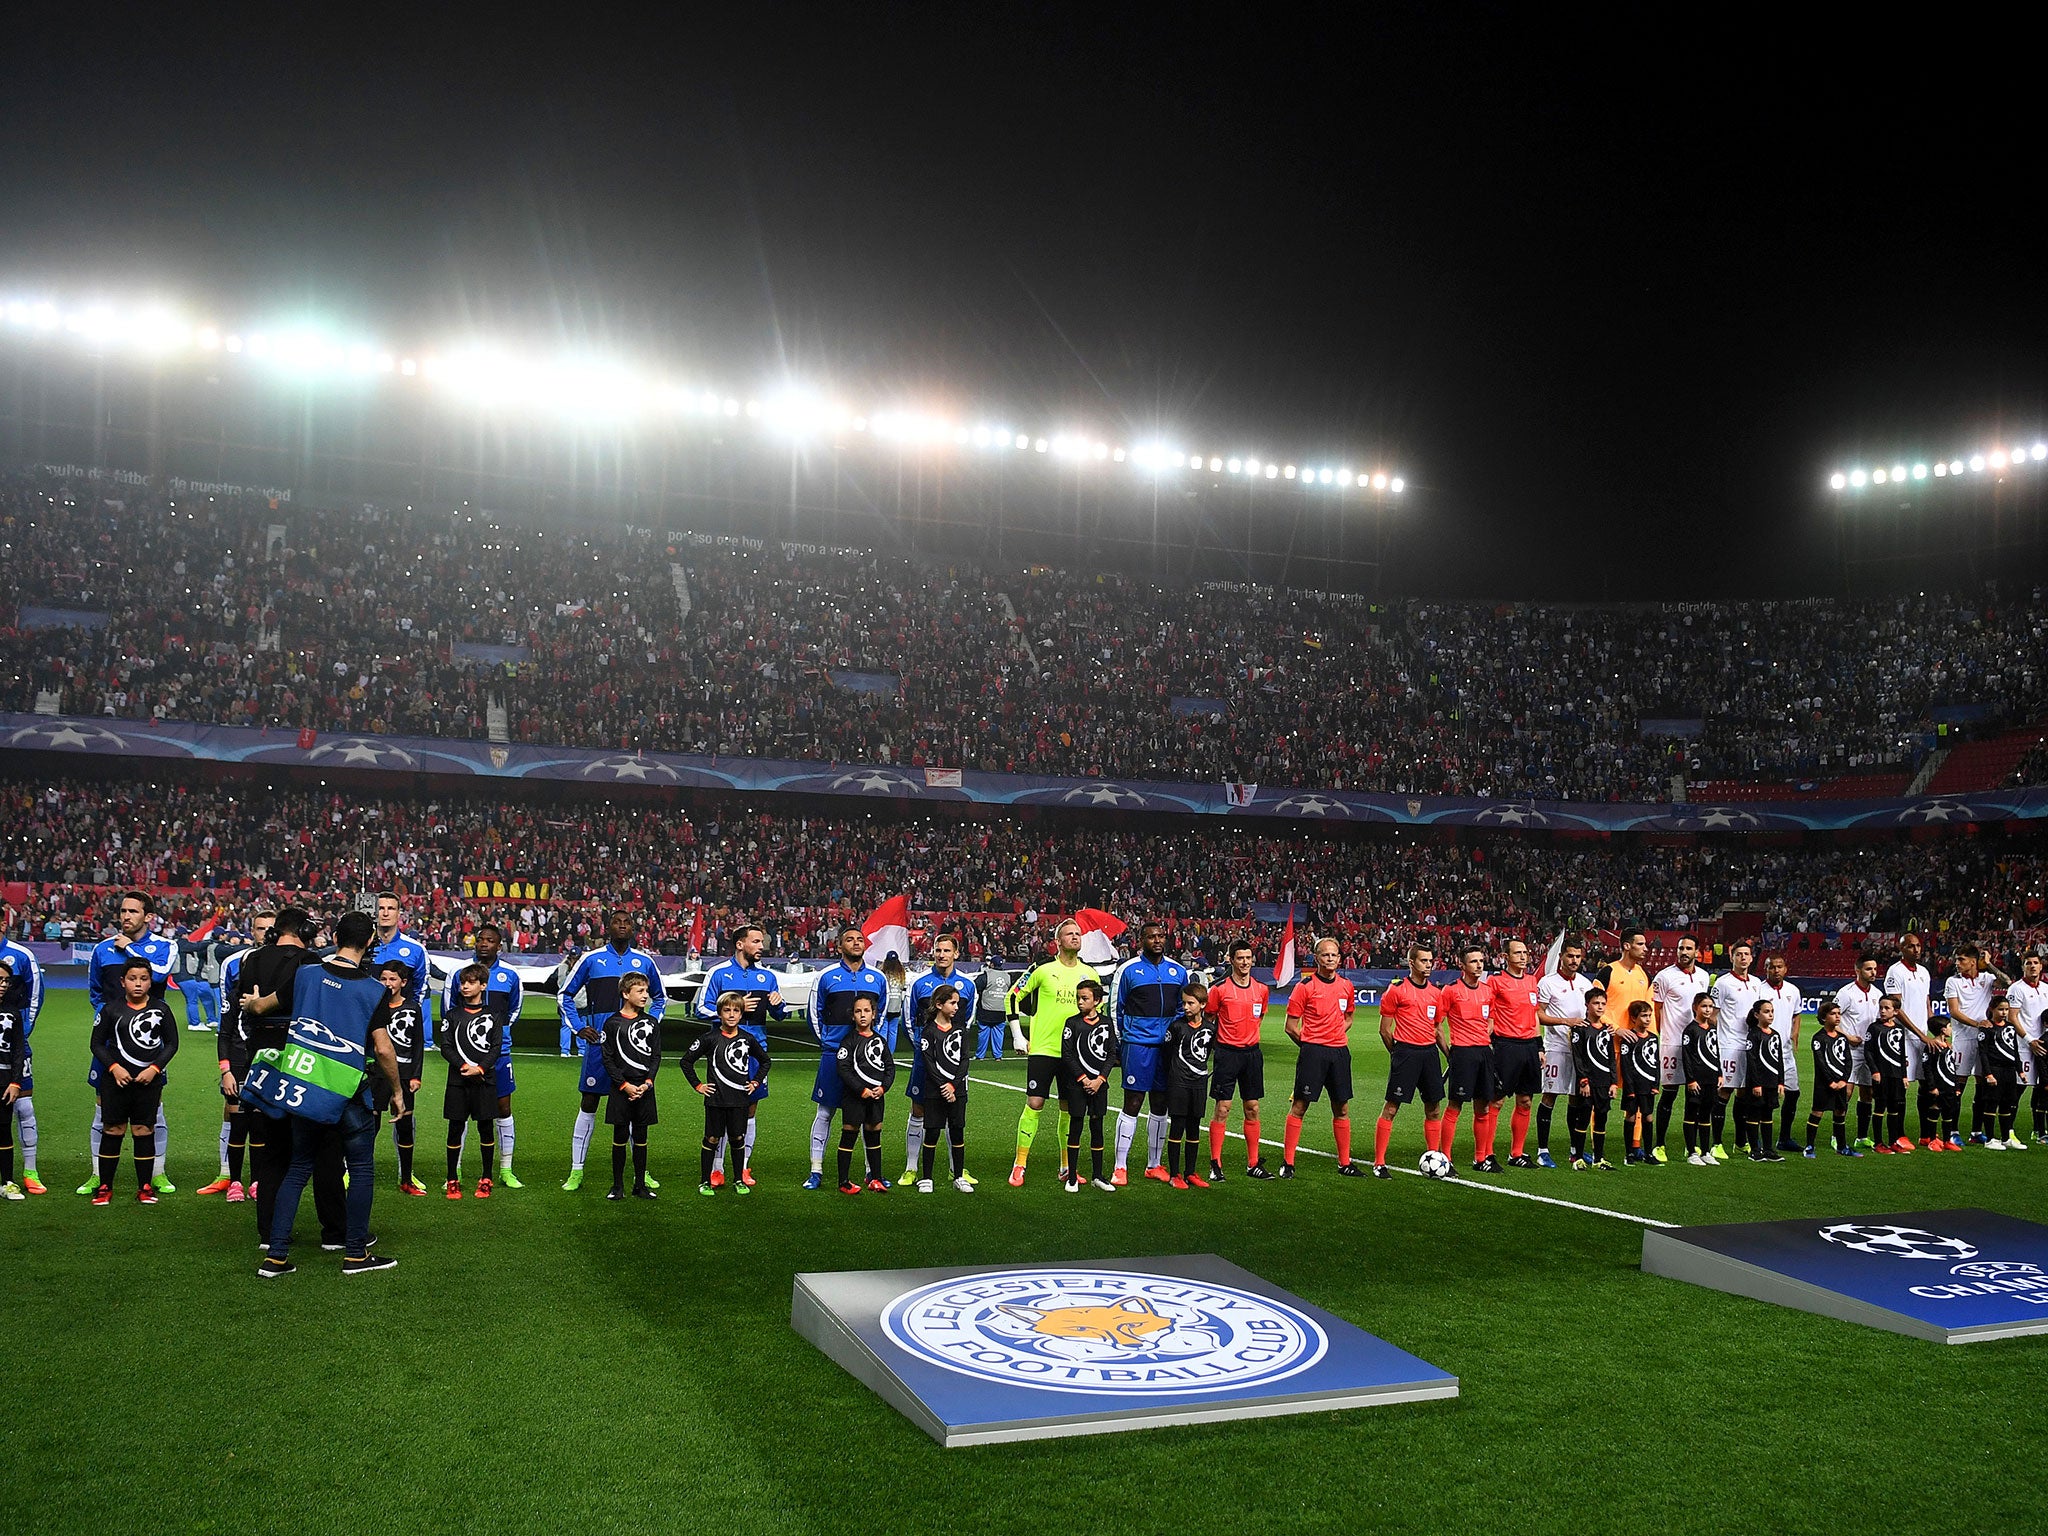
(1350, 1171)
(271, 1269)
(1520, 1162)
(1215, 1173)
(642, 1192)
(1382, 1171)
(615, 1193)
(1774, 1157)
(1758, 1157)
(1487, 1164)
(364, 1266)
(1261, 1171)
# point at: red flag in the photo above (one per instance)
(307, 736)
(697, 930)
(1283, 968)
(1098, 929)
(205, 928)
(888, 931)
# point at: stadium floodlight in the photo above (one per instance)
(1955, 466)
(1838, 480)
(1117, 454)
(1102, 452)
(1878, 477)
(1977, 463)
(1289, 471)
(1898, 471)
(1344, 477)
(2038, 452)
(1940, 471)
(1323, 476)
(1379, 482)
(1919, 471)
(1857, 477)
(1235, 466)
(1397, 485)
(1997, 459)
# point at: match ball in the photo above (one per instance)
(1435, 1165)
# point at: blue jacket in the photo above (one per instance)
(503, 995)
(1145, 998)
(833, 995)
(595, 975)
(731, 976)
(930, 982)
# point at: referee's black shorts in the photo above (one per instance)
(1517, 1067)
(1414, 1069)
(1323, 1066)
(1239, 1069)
(1472, 1074)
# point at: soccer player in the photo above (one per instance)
(470, 1042)
(1238, 1005)
(1785, 1005)
(1968, 994)
(1885, 1051)
(1190, 1046)
(1319, 1022)
(1048, 997)
(409, 1045)
(14, 994)
(632, 1058)
(1673, 989)
(1088, 1055)
(1998, 1075)
(1144, 1002)
(838, 989)
(1858, 1002)
(234, 1123)
(1468, 1011)
(1912, 984)
(595, 977)
(1735, 997)
(1411, 1025)
(20, 961)
(393, 943)
(744, 977)
(1641, 1059)
(2029, 999)
(866, 1068)
(736, 1063)
(993, 990)
(1560, 1008)
(1701, 1059)
(1592, 1084)
(1517, 1053)
(1627, 982)
(133, 1040)
(1833, 1079)
(133, 935)
(942, 1046)
(945, 972)
(504, 996)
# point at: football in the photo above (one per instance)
(1435, 1165)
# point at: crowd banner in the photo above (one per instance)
(292, 746)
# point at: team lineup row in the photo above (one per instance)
(1176, 1045)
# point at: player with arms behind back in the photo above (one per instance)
(1238, 1005)
(1319, 1022)
(1411, 1025)
(1048, 998)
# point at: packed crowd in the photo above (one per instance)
(238, 844)
(417, 622)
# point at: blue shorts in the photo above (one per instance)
(595, 1078)
(913, 1084)
(825, 1092)
(760, 1038)
(505, 1083)
(28, 1073)
(1144, 1068)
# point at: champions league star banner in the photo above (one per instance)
(110, 737)
(1028, 1352)
(1951, 1276)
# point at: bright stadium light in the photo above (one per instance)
(1397, 485)
(2038, 452)
(1838, 480)
(1998, 458)
(1118, 455)
(1272, 471)
(1940, 470)
(1857, 477)
(1878, 477)
(1977, 463)
(1919, 471)
(1343, 477)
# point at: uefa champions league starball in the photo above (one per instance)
(1435, 1165)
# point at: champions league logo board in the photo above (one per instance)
(973, 1355)
(1952, 1276)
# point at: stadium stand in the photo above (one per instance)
(1978, 765)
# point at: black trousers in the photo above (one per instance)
(270, 1156)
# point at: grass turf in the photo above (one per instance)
(549, 1358)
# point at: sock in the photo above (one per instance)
(707, 1152)
(489, 1142)
(847, 1136)
(1126, 1133)
(1382, 1133)
(1488, 1128)
(1072, 1168)
(1432, 1133)
(957, 1146)
(1841, 1129)
(1027, 1132)
(223, 1148)
(1785, 1115)
(927, 1155)
(1251, 1141)
(404, 1156)
(619, 1157)
(1291, 1142)
(821, 1129)
(1813, 1128)
(1095, 1147)
(505, 1143)
(109, 1155)
(1218, 1128)
(7, 1152)
(1863, 1119)
(871, 1143)
(1692, 1145)
(25, 1114)
(579, 1140)
(747, 1144)
(1518, 1130)
(455, 1155)
(1576, 1119)
(1173, 1157)
(461, 1146)
(99, 1127)
(1720, 1118)
(238, 1148)
(1542, 1125)
(1599, 1138)
(913, 1141)
(1665, 1100)
(145, 1158)
(160, 1138)
(1155, 1139)
(1342, 1126)
(1448, 1136)
(640, 1158)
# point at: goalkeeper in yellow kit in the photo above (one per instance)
(1045, 999)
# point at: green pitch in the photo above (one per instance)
(551, 1362)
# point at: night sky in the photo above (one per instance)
(1615, 291)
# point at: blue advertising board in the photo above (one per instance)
(1952, 1276)
(973, 1355)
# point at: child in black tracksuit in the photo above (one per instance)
(866, 1069)
(470, 1040)
(1593, 1083)
(943, 1048)
(1757, 1099)
(1089, 1053)
(736, 1064)
(1998, 1069)
(1833, 1064)
(408, 1043)
(632, 1057)
(1941, 1092)
(1884, 1052)
(1642, 1066)
(1702, 1066)
(1190, 1048)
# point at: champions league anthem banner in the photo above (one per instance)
(1029, 1352)
(109, 737)
(1952, 1276)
